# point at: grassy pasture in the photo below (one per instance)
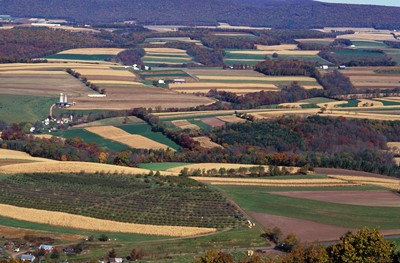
(356, 52)
(91, 137)
(19, 108)
(261, 200)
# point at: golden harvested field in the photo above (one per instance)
(394, 99)
(369, 36)
(331, 105)
(87, 223)
(93, 51)
(328, 182)
(184, 124)
(369, 103)
(383, 182)
(206, 142)
(250, 78)
(221, 72)
(32, 72)
(394, 147)
(116, 82)
(270, 52)
(48, 66)
(292, 105)
(277, 47)
(102, 71)
(231, 119)
(17, 155)
(131, 140)
(51, 166)
(164, 50)
(227, 166)
(222, 85)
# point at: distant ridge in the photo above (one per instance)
(269, 13)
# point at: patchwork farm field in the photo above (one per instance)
(374, 77)
(40, 83)
(238, 81)
(312, 219)
(132, 140)
(159, 201)
(252, 57)
(123, 89)
(122, 137)
(166, 56)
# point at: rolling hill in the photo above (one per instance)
(270, 13)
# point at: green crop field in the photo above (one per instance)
(20, 108)
(389, 103)
(350, 103)
(145, 130)
(80, 57)
(161, 166)
(369, 44)
(261, 200)
(138, 199)
(91, 137)
(356, 52)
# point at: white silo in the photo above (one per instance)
(62, 98)
(65, 98)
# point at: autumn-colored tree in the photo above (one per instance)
(112, 253)
(256, 258)
(306, 253)
(273, 234)
(102, 157)
(291, 239)
(365, 246)
(214, 256)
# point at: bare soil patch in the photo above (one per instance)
(206, 142)
(214, 122)
(349, 172)
(306, 230)
(231, 119)
(13, 232)
(184, 124)
(366, 198)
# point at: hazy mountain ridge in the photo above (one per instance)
(271, 13)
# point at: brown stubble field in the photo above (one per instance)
(367, 77)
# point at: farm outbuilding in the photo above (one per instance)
(47, 248)
(178, 81)
(28, 258)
